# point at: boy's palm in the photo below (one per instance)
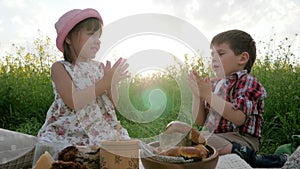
(199, 87)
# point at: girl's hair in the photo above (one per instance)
(239, 42)
(88, 24)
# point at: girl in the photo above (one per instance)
(82, 112)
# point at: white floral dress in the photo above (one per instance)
(94, 122)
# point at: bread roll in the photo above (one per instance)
(185, 148)
(193, 134)
(203, 149)
(186, 152)
(196, 137)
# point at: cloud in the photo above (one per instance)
(14, 18)
(1, 26)
(17, 20)
(14, 3)
(22, 19)
(253, 16)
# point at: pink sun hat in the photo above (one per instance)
(66, 22)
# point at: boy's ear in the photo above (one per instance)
(244, 58)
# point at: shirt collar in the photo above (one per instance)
(237, 75)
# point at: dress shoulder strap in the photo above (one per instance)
(69, 68)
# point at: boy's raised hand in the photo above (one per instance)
(193, 84)
(199, 87)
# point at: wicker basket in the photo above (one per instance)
(16, 150)
(22, 162)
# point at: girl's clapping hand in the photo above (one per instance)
(120, 70)
(116, 73)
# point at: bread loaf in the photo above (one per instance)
(191, 146)
(186, 152)
(193, 134)
(196, 137)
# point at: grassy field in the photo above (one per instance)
(26, 93)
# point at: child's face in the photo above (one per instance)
(224, 61)
(88, 44)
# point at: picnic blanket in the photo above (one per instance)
(17, 152)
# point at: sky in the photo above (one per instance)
(21, 21)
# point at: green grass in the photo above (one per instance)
(27, 93)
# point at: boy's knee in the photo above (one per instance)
(226, 150)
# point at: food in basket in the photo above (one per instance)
(168, 162)
(78, 156)
(180, 146)
(193, 136)
(186, 152)
(67, 165)
(192, 145)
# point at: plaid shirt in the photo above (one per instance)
(247, 95)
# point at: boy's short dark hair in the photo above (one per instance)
(239, 42)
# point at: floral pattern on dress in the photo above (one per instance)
(89, 125)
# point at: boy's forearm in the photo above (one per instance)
(198, 111)
(225, 109)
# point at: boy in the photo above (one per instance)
(231, 105)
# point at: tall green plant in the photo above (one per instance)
(25, 85)
(279, 73)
